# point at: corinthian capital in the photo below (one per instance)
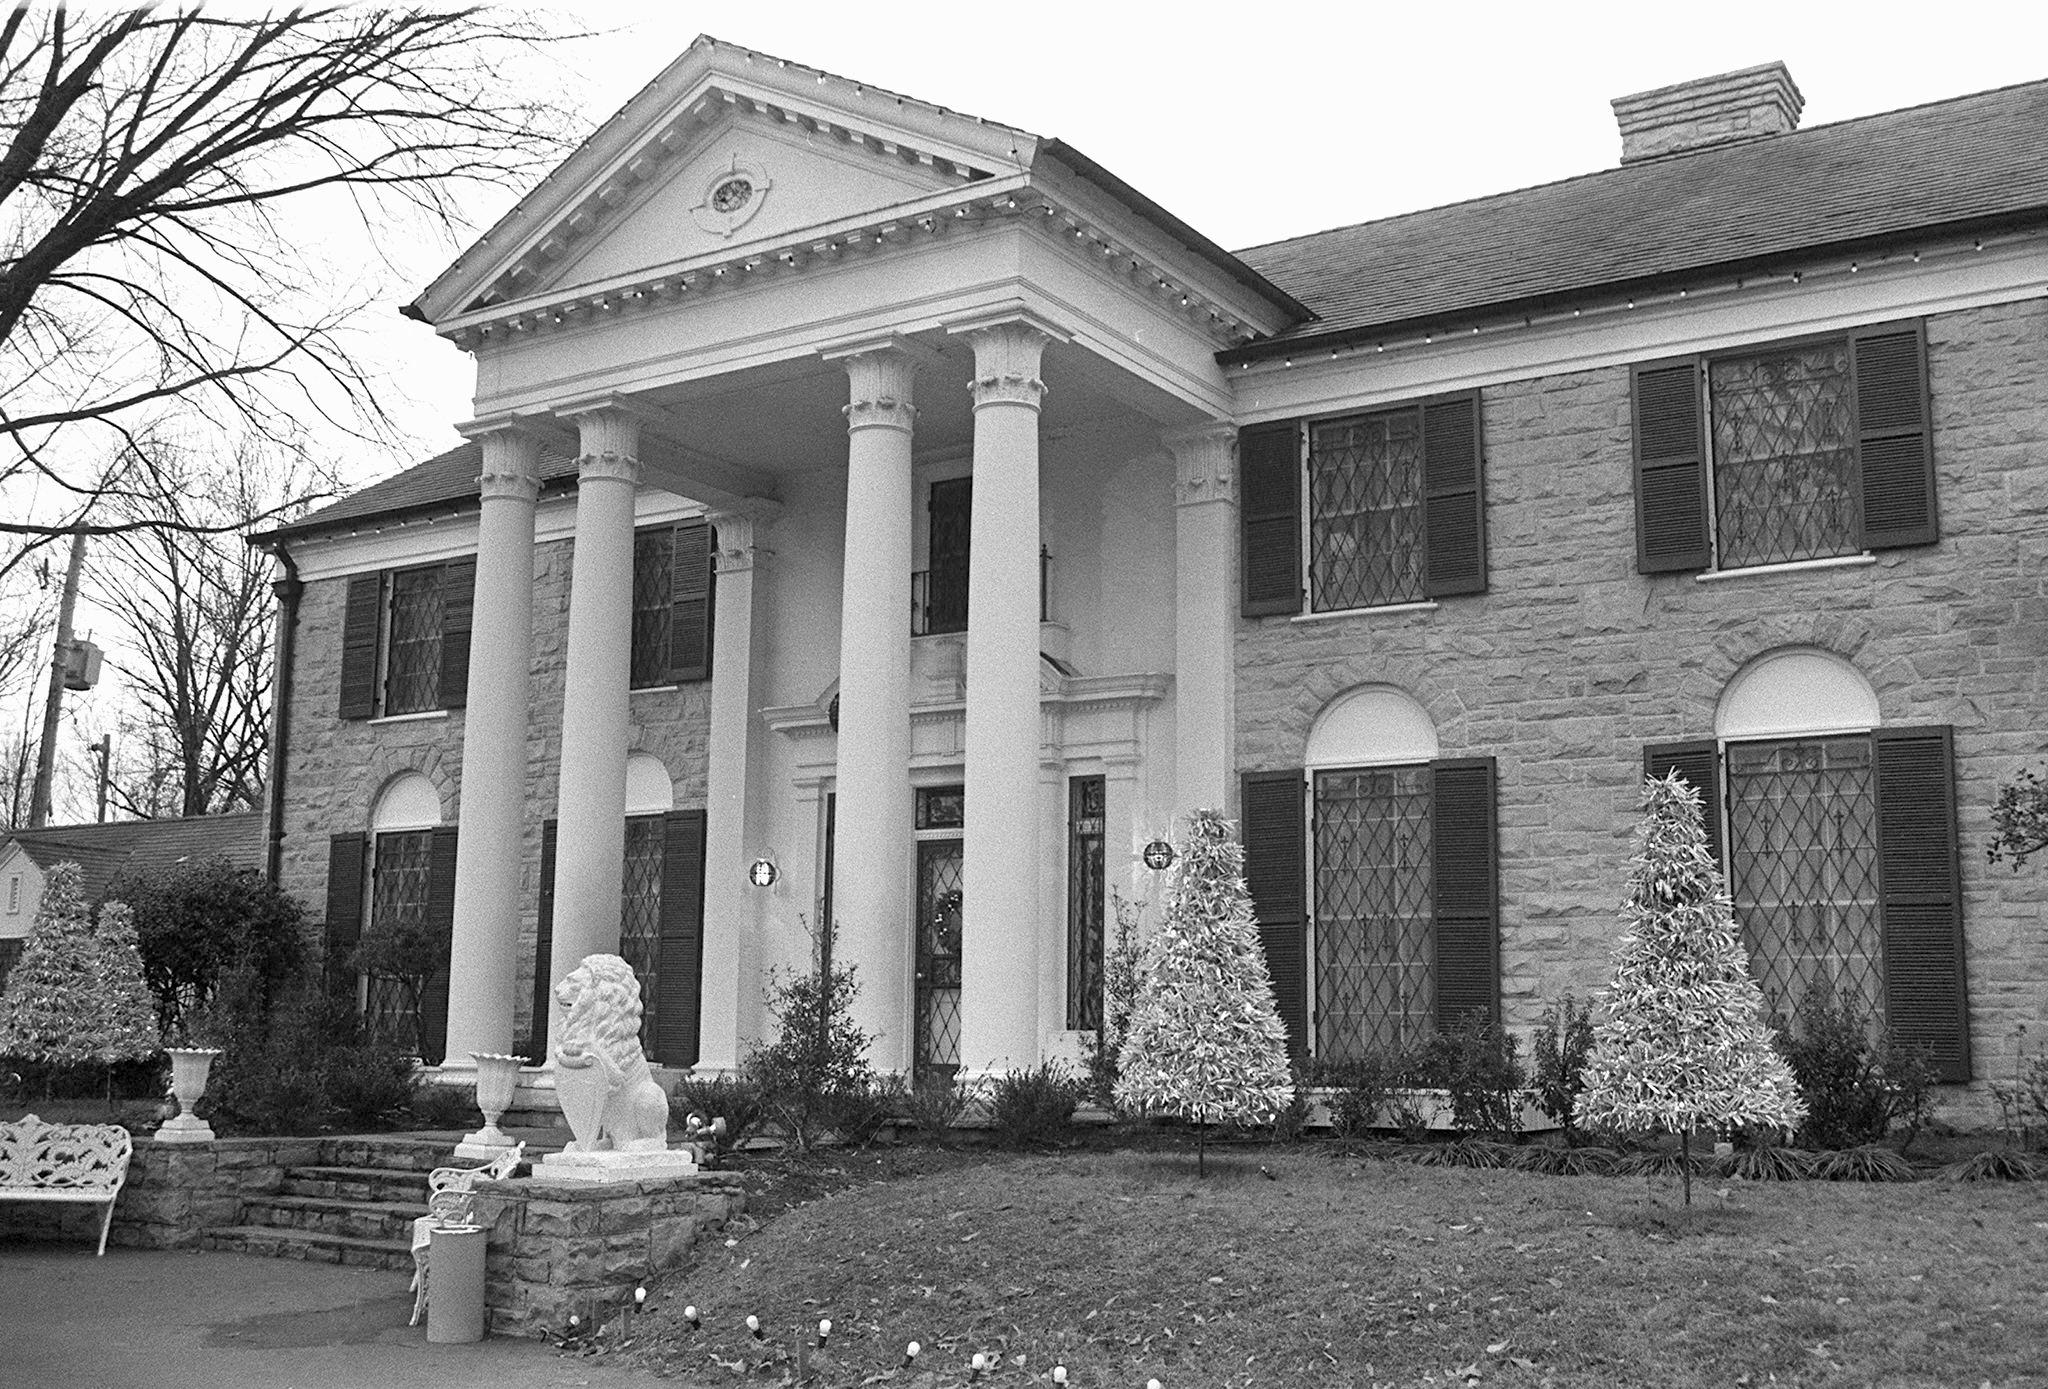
(739, 527)
(1205, 463)
(881, 378)
(608, 443)
(511, 459)
(1007, 353)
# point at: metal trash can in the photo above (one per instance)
(455, 1284)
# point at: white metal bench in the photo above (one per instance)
(80, 1163)
(449, 1205)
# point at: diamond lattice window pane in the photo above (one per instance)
(937, 1022)
(653, 610)
(1785, 485)
(640, 915)
(413, 677)
(1365, 527)
(1802, 829)
(1375, 944)
(398, 902)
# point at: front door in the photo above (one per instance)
(936, 1019)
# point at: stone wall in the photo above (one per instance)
(1571, 662)
(559, 1249)
(336, 767)
(173, 1191)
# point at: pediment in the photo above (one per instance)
(746, 181)
(725, 148)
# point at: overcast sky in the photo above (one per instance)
(1257, 122)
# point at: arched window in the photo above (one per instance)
(410, 910)
(1837, 836)
(1400, 870)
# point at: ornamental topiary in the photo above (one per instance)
(1682, 1043)
(76, 995)
(1205, 1040)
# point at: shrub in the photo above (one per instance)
(934, 1104)
(1868, 1163)
(2023, 1104)
(735, 1099)
(1466, 1152)
(1856, 1090)
(1033, 1106)
(1769, 1163)
(301, 1065)
(1996, 1165)
(813, 1075)
(439, 1106)
(76, 996)
(1566, 1162)
(1119, 998)
(1291, 1120)
(1360, 1089)
(1563, 1041)
(194, 922)
(1478, 1066)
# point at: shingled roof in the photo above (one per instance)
(104, 852)
(1972, 162)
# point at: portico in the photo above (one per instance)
(871, 303)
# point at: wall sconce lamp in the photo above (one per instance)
(762, 872)
(1158, 855)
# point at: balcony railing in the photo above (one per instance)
(938, 598)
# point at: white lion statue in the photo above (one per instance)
(608, 1094)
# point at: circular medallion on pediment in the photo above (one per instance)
(732, 194)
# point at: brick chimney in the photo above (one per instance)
(1748, 105)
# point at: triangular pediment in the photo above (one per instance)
(725, 148)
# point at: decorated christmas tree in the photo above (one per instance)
(76, 995)
(1205, 1039)
(1682, 1043)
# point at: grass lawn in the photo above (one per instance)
(1301, 1266)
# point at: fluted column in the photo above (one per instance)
(732, 809)
(590, 808)
(483, 966)
(1205, 613)
(871, 853)
(1001, 929)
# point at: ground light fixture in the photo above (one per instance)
(1158, 855)
(762, 872)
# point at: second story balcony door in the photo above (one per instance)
(951, 511)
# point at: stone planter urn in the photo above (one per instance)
(189, 1066)
(496, 1076)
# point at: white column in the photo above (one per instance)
(871, 852)
(483, 966)
(732, 809)
(590, 807)
(1204, 614)
(999, 1005)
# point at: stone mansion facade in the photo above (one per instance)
(878, 515)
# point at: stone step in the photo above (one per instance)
(314, 1247)
(377, 1220)
(356, 1183)
(396, 1152)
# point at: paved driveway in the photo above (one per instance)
(156, 1319)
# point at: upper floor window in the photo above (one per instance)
(405, 640)
(1801, 450)
(674, 583)
(1395, 508)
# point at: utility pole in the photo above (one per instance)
(105, 748)
(46, 757)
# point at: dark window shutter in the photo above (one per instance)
(359, 627)
(1269, 512)
(1700, 764)
(681, 957)
(543, 950)
(1454, 497)
(346, 854)
(1671, 473)
(1464, 886)
(689, 649)
(441, 922)
(1893, 447)
(1276, 872)
(458, 601)
(1920, 896)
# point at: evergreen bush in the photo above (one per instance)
(1856, 1090)
(1563, 1040)
(814, 1077)
(735, 1099)
(76, 996)
(196, 921)
(1033, 1106)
